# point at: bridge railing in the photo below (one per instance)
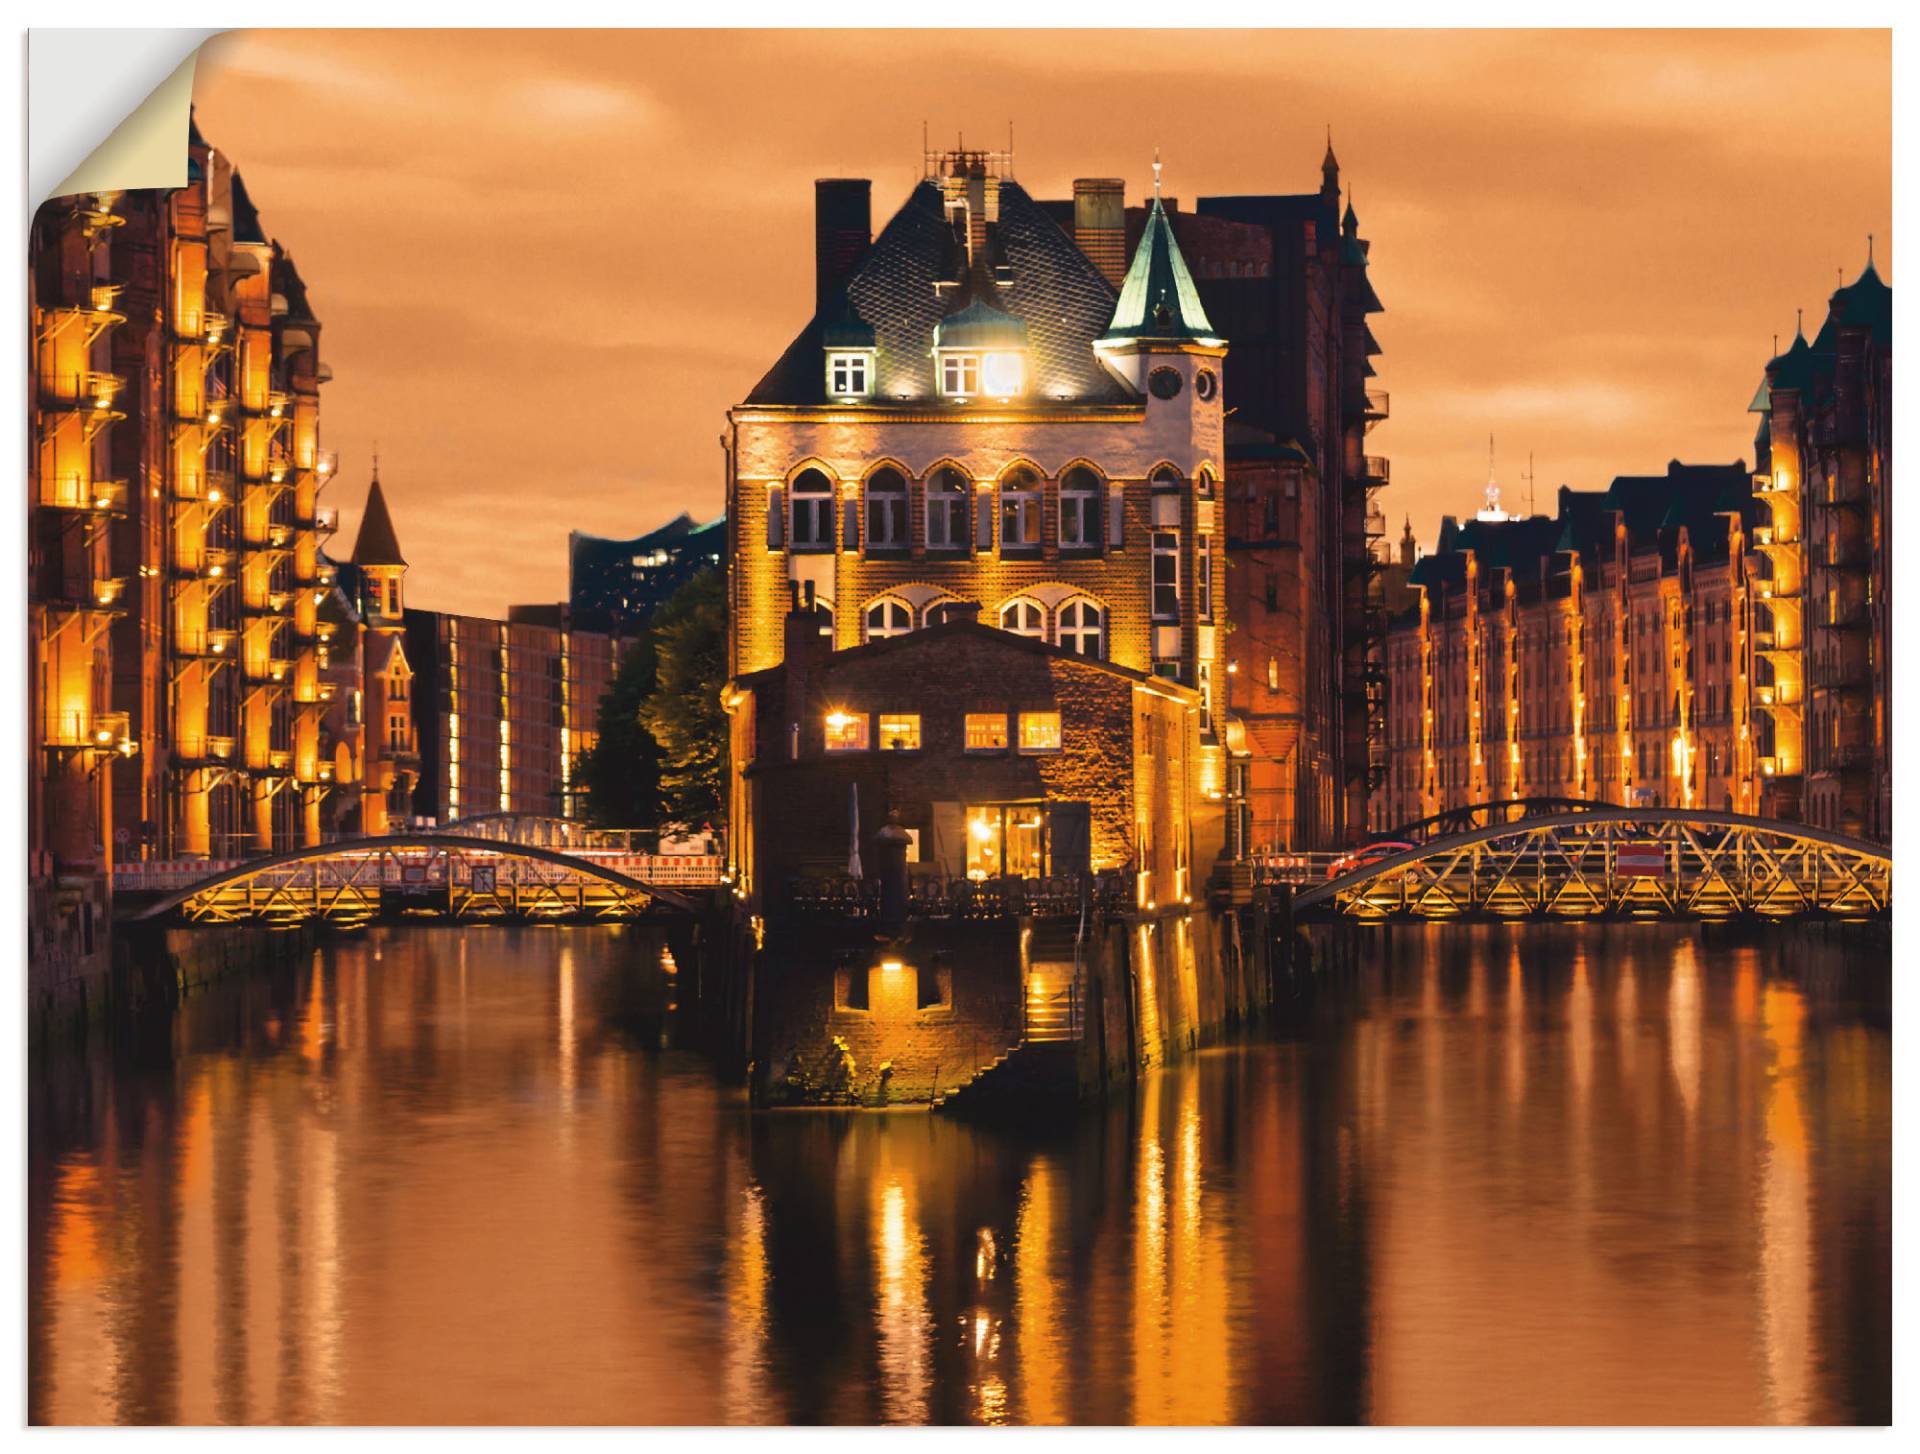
(838, 896)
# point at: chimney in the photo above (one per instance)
(1100, 224)
(842, 232)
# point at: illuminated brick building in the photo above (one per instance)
(1708, 638)
(975, 415)
(1824, 633)
(1603, 653)
(175, 568)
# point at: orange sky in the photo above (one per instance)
(547, 262)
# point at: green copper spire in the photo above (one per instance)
(1158, 298)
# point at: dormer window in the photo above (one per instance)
(960, 375)
(849, 375)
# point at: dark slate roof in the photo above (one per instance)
(1586, 522)
(1515, 544)
(1647, 500)
(928, 640)
(1157, 297)
(376, 543)
(246, 218)
(1051, 287)
(1867, 303)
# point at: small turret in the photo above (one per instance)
(376, 555)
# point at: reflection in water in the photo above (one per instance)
(433, 1176)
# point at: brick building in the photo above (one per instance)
(975, 414)
(1041, 778)
(1709, 637)
(502, 710)
(1003, 756)
(1824, 468)
(1602, 653)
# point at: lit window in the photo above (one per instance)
(812, 511)
(1203, 568)
(960, 375)
(1003, 375)
(986, 732)
(1020, 508)
(1039, 731)
(847, 374)
(1166, 575)
(900, 732)
(1079, 509)
(846, 731)
(1024, 618)
(888, 618)
(1083, 628)
(886, 510)
(947, 510)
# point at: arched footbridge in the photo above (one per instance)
(429, 874)
(1617, 863)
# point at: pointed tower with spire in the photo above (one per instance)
(376, 556)
(1159, 317)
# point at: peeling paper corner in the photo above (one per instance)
(80, 81)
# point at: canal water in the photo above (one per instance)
(445, 1176)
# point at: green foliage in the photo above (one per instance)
(684, 712)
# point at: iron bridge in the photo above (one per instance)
(1618, 863)
(442, 875)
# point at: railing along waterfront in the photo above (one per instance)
(839, 896)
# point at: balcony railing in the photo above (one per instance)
(71, 492)
(89, 390)
(1375, 470)
(104, 730)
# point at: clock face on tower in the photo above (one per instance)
(1164, 383)
(1205, 383)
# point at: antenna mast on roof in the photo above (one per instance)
(1529, 484)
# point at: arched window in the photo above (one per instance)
(1079, 509)
(1019, 508)
(812, 511)
(1083, 628)
(949, 494)
(886, 510)
(1166, 477)
(1203, 482)
(1024, 618)
(888, 617)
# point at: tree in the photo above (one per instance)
(684, 712)
(621, 771)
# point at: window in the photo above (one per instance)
(1083, 628)
(847, 374)
(397, 734)
(960, 375)
(1273, 673)
(1203, 565)
(986, 732)
(888, 617)
(1020, 508)
(1166, 478)
(1079, 509)
(1039, 731)
(846, 731)
(1024, 618)
(886, 510)
(1204, 482)
(947, 501)
(900, 732)
(812, 511)
(1166, 575)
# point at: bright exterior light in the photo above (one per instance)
(891, 966)
(1002, 374)
(838, 719)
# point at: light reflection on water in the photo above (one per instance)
(433, 1176)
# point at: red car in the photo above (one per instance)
(1366, 857)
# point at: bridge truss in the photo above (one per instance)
(438, 875)
(1619, 863)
